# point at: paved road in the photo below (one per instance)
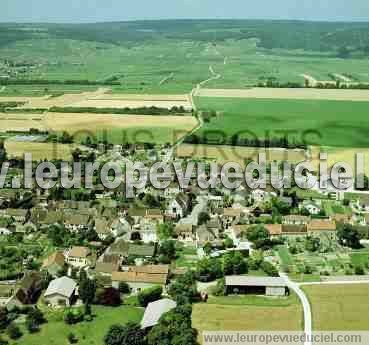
(305, 303)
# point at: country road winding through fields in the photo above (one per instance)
(305, 303)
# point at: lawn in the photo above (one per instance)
(331, 123)
(339, 307)
(360, 258)
(55, 332)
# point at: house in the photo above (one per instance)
(140, 278)
(155, 310)
(6, 231)
(29, 288)
(269, 286)
(295, 219)
(184, 232)
(107, 264)
(119, 227)
(311, 207)
(230, 216)
(362, 202)
(54, 263)
(60, 292)
(78, 257)
(51, 218)
(179, 207)
(316, 226)
(125, 249)
(294, 230)
(274, 230)
(102, 228)
(77, 222)
(204, 235)
(19, 215)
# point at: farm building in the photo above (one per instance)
(269, 286)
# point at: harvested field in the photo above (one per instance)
(224, 154)
(336, 155)
(272, 93)
(213, 317)
(118, 103)
(159, 129)
(39, 151)
(138, 97)
(21, 122)
(62, 101)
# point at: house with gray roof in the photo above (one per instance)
(155, 310)
(269, 286)
(60, 292)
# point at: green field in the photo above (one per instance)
(339, 307)
(55, 331)
(173, 56)
(335, 123)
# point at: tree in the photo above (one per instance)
(207, 248)
(66, 138)
(259, 235)
(4, 321)
(149, 295)
(34, 319)
(359, 270)
(167, 251)
(174, 328)
(72, 338)
(349, 236)
(203, 218)
(165, 231)
(124, 288)
(209, 269)
(87, 288)
(234, 264)
(269, 269)
(13, 331)
(109, 297)
(312, 244)
(129, 334)
(228, 243)
(183, 290)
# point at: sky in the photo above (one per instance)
(81, 11)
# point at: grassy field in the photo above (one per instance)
(334, 123)
(339, 307)
(55, 331)
(230, 316)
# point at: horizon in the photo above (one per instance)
(92, 11)
(186, 19)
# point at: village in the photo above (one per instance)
(70, 249)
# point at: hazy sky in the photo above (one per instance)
(119, 10)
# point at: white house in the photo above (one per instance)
(60, 292)
(78, 257)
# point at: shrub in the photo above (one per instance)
(13, 331)
(149, 295)
(359, 270)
